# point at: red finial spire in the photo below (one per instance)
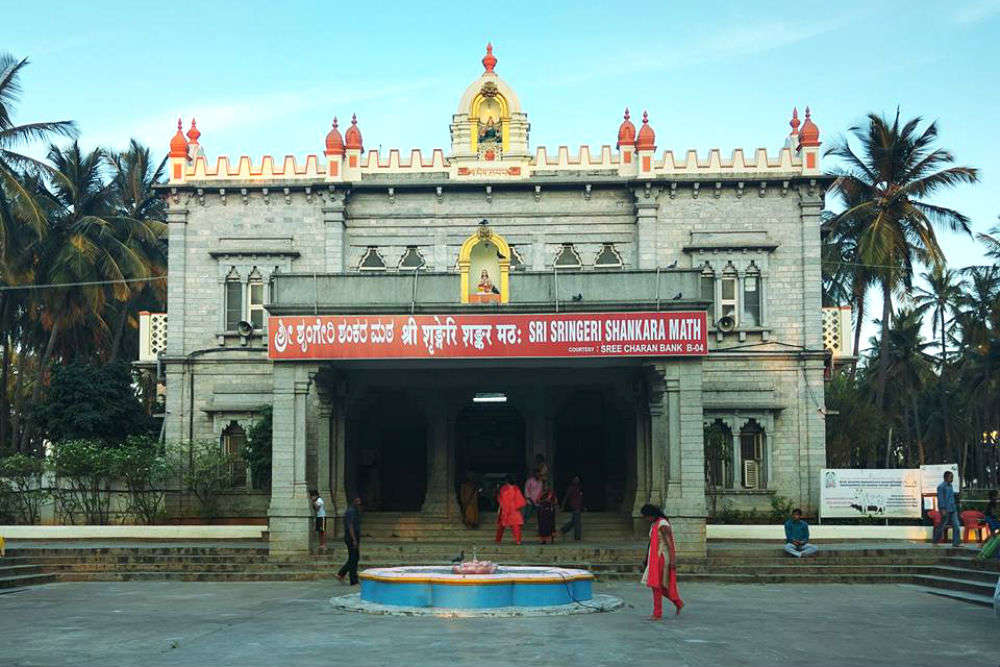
(334, 142)
(193, 133)
(178, 145)
(794, 122)
(489, 60)
(352, 138)
(809, 134)
(626, 132)
(646, 141)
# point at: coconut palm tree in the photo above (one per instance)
(945, 290)
(885, 176)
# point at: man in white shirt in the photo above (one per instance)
(320, 508)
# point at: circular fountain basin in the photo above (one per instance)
(434, 586)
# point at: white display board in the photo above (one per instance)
(932, 475)
(850, 492)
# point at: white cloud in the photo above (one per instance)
(976, 12)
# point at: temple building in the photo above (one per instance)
(648, 321)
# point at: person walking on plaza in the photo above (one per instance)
(352, 538)
(547, 504)
(797, 536)
(469, 497)
(320, 508)
(948, 508)
(510, 501)
(660, 570)
(573, 502)
(532, 493)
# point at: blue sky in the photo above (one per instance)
(267, 77)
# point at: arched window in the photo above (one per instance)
(371, 260)
(729, 294)
(718, 455)
(568, 257)
(753, 455)
(708, 289)
(234, 299)
(608, 258)
(751, 296)
(255, 299)
(233, 440)
(516, 262)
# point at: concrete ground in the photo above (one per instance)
(247, 624)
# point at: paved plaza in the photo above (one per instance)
(246, 624)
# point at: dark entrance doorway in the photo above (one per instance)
(489, 444)
(591, 435)
(387, 453)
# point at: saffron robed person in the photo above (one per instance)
(510, 501)
(660, 570)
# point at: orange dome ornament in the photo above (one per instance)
(334, 142)
(626, 132)
(352, 138)
(489, 60)
(794, 122)
(193, 133)
(809, 134)
(179, 145)
(647, 138)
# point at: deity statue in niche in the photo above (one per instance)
(491, 132)
(485, 284)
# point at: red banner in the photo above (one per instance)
(488, 336)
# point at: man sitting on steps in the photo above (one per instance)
(797, 536)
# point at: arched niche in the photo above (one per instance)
(484, 250)
(489, 105)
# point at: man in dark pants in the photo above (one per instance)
(352, 538)
(574, 503)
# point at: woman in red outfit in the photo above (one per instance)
(660, 572)
(510, 500)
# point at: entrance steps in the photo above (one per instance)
(597, 526)
(15, 576)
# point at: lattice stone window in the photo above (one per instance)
(372, 260)
(608, 258)
(234, 299)
(411, 259)
(516, 263)
(568, 257)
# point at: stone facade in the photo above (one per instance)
(747, 229)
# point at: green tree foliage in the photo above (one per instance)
(257, 452)
(84, 471)
(93, 402)
(208, 473)
(23, 491)
(146, 473)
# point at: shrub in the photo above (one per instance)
(84, 469)
(781, 509)
(208, 474)
(23, 483)
(146, 473)
(257, 452)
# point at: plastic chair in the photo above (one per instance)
(935, 517)
(973, 520)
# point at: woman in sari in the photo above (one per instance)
(660, 571)
(547, 504)
(469, 497)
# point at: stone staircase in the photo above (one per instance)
(948, 572)
(607, 527)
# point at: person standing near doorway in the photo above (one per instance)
(469, 497)
(510, 501)
(948, 507)
(352, 538)
(547, 505)
(573, 502)
(320, 508)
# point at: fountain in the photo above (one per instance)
(464, 588)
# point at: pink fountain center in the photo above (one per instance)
(475, 567)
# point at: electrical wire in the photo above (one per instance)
(13, 288)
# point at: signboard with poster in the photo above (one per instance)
(931, 476)
(882, 493)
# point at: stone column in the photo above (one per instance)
(435, 499)
(289, 512)
(177, 238)
(334, 221)
(685, 499)
(641, 460)
(646, 207)
(324, 426)
(338, 489)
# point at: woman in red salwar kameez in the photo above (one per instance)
(660, 572)
(510, 500)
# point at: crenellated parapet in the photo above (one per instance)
(489, 135)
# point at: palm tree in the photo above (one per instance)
(22, 219)
(992, 242)
(945, 290)
(884, 184)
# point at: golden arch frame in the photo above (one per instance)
(504, 121)
(465, 261)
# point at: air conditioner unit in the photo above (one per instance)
(751, 474)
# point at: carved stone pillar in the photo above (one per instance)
(324, 427)
(646, 207)
(334, 221)
(435, 499)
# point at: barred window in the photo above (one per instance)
(234, 299)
